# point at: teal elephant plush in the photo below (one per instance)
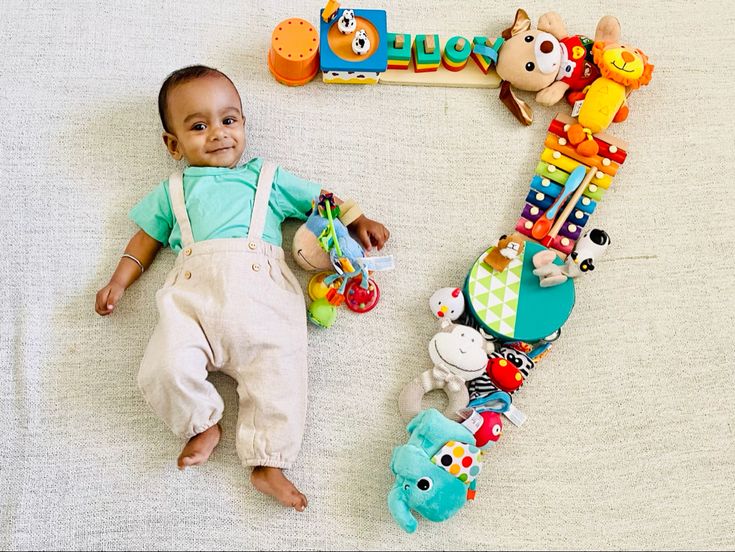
(434, 470)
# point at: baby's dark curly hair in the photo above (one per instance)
(181, 76)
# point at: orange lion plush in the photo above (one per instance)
(623, 68)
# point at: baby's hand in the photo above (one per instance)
(107, 298)
(370, 232)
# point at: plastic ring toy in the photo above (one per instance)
(359, 299)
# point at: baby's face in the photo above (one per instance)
(206, 121)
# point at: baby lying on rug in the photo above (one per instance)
(230, 303)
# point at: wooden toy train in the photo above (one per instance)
(353, 46)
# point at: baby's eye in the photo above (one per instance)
(199, 126)
(229, 121)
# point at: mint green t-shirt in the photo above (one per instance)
(219, 202)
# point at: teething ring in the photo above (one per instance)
(409, 401)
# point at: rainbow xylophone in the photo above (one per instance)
(558, 160)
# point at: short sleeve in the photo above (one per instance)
(294, 194)
(154, 215)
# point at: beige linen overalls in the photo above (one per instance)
(231, 305)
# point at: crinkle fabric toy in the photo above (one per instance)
(424, 479)
(461, 460)
(506, 371)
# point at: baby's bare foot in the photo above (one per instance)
(271, 481)
(199, 447)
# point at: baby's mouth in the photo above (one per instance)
(221, 149)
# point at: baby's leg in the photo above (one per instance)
(270, 425)
(173, 379)
(268, 360)
(272, 386)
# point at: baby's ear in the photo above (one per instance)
(172, 145)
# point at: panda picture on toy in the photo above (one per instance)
(361, 43)
(347, 22)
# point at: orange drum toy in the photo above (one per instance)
(293, 57)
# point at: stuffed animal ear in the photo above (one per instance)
(522, 23)
(608, 30)
(489, 347)
(553, 24)
(520, 109)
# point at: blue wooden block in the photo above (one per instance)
(377, 62)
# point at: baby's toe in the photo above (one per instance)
(300, 502)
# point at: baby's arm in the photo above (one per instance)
(143, 248)
(369, 232)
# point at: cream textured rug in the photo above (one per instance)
(629, 442)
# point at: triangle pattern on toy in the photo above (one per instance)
(494, 295)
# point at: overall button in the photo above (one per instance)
(187, 274)
(256, 267)
(252, 245)
(187, 251)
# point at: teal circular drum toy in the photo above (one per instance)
(511, 305)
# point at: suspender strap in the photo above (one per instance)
(262, 196)
(176, 192)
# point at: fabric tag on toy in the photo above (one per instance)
(515, 416)
(473, 420)
(577, 107)
(378, 264)
(463, 461)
